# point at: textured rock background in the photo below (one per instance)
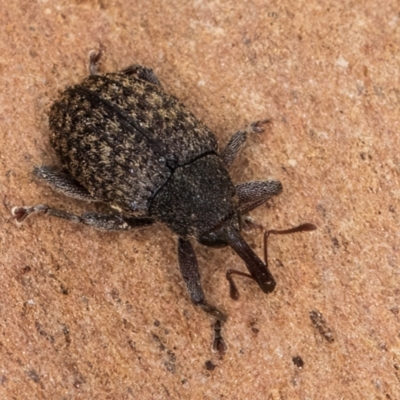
(86, 314)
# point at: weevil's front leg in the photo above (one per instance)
(253, 194)
(190, 273)
(65, 184)
(98, 221)
(238, 140)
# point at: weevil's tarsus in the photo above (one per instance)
(95, 57)
(238, 141)
(219, 345)
(20, 214)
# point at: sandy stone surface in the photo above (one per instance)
(94, 315)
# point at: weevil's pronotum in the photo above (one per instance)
(124, 142)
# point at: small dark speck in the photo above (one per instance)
(170, 366)
(298, 362)
(394, 310)
(335, 242)
(79, 380)
(26, 269)
(320, 324)
(64, 290)
(32, 374)
(255, 330)
(210, 366)
(156, 322)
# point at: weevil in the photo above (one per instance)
(123, 141)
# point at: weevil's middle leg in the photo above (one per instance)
(253, 194)
(233, 291)
(191, 275)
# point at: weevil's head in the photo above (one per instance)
(199, 201)
(228, 234)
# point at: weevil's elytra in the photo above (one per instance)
(123, 141)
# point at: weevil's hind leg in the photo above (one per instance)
(190, 273)
(143, 73)
(63, 183)
(105, 222)
(233, 291)
(253, 194)
(238, 140)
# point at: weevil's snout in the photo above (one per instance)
(257, 268)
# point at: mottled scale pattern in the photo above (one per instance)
(121, 137)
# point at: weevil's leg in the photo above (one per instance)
(219, 345)
(253, 194)
(233, 148)
(141, 72)
(238, 140)
(190, 273)
(233, 291)
(94, 59)
(63, 183)
(98, 221)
